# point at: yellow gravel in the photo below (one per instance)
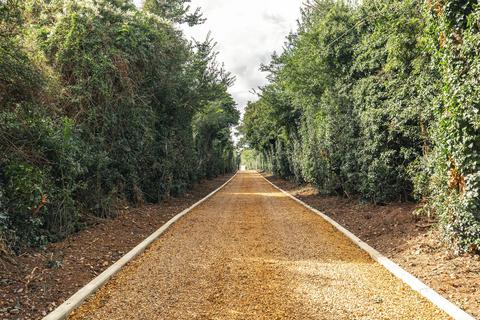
(250, 252)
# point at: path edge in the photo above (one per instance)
(417, 285)
(64, 310)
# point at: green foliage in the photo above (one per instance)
(390, 101)
(174, 10)
(39, 168)
(213, 139)
(99, 103)
(251, 159)
(379, 101)
(454, 185)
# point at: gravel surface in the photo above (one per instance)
(38, 280)
(250, 252)
(413, 241)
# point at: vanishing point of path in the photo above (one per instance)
(250, 252)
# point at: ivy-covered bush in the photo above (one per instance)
(379, 101)
(102, 103)
(351, 120)
(454, 185)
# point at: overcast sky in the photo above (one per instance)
(247, 33)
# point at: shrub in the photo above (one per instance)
(99, 101)
(379, 101)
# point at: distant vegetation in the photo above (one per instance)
(102, 103)
(252, 160)
(380, 101)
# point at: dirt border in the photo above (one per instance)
(417, 285)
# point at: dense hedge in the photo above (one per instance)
(379, 101)
(103, 103)
(453, 188)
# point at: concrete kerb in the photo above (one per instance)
(417, 285)
(62, 311)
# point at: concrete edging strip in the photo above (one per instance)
(417, 285)
(62, 311)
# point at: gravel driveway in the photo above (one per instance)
(250, 252)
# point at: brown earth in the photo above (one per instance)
(251, 252)
(411, 241)
(37, 281)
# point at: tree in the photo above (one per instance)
(177, 11)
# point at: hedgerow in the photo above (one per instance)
(103, 103)
(453, 188)
(379, 101)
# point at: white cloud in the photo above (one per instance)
(247, 33)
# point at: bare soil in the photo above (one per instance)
(35, 282)
(251, 252)
(411, 241)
